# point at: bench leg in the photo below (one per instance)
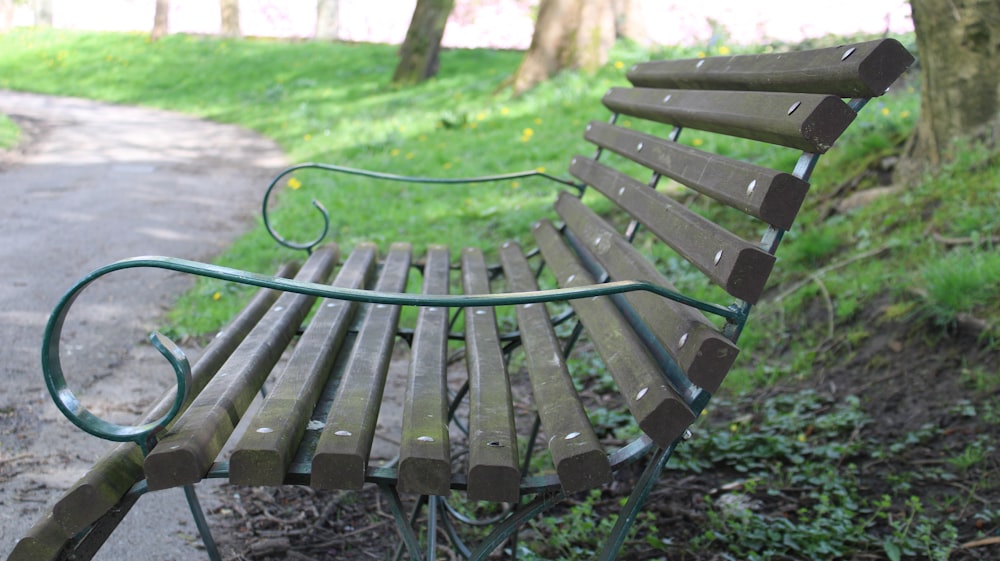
(199, 520)
(404, 525)
(626, 518)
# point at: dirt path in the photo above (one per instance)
(96, 183)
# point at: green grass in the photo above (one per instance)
(10, 134)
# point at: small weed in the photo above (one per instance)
(815, 246)
(578, 534)
(981, 379)
(959, 282)
(975, 453)
(10, 134)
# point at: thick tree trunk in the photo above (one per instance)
(629, 22)
(958, 44)
(43, 13)
(327, 19)
(418, 57)
(230, 18)
(568, 34)
(160, 20)
(6, 15)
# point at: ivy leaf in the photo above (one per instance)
(892, 550)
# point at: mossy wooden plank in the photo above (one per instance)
(186, 452)
(344, 447)
(773, 196)
(576, 452)
(266, 449)
(809, 122)
(738, 266)
(42, 542)
(698, 347)
(660, 412)
(493, 465)
(851, 70)
(425, 447)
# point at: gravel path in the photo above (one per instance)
(96, 183)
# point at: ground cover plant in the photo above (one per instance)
(861, 421)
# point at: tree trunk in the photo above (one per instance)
(568, 34)
(958, 42)
(43, 13)
(418, 57)
(6, 15)
(230, 18)
(629, 22)
(160, 20)
(328, 19)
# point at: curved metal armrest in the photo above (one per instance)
(308, 246)
(144, 434)
(68, 403)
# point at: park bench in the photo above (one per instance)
(591, 284)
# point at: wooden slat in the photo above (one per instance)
(425, 449)
(856, 70)
(576, 452)
(186, 452)
(773, 196)
(809, 122)
(345, 445)
(265, 451)
(740, 267)
(44, 541)
(659, 411)
(493, 470)
(700, 350)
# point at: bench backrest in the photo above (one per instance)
(799, 100)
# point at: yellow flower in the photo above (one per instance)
(528, 132)
(515, 185)
(294, 183)
(697, 142)
(885, 111)
(307, 137)
(481, 116)
(504, 110)
(538, 120)
(619, 64)
(904, 114)
(217, 296)
(724, 50)
(409, 155)
(394, 152)
(802, 438)
(540, 169)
